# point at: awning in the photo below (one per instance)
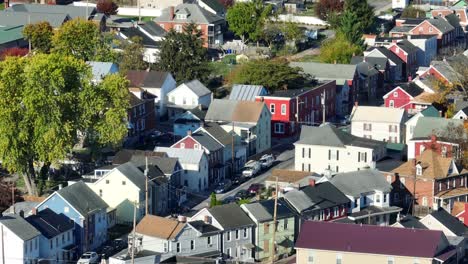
(249, 246)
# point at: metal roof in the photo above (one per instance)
(10, 34)
(9, 18)
(244, 92)
(194, 13)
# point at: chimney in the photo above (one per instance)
(171, 12)
(7, 3)
(182, 218)
(433, 138)
(312, 182)
(189, 132)
(60, 186)
(207, 219)
(34, 211)
(440, 113)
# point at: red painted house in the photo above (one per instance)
(411, 99)
(439, 146)
(283, 105)
(442, 71)
(406, 51)
(438, 26)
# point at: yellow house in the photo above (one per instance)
(327, 242)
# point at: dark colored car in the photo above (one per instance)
(239, 180)
(229, 199)
(242, 194)
(255, 188)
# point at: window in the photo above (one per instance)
(311, 257)
(266, 228)
(209, 240)
(377, 198)
(424, 201)
(195, 146)
(339, 257)
(66, 209)
(391, 103)
(178, 247)
(283, 109)
(237, 234)
(107, 181)
(272, 108)
(228, 236)
(123, 183)
(178, 28)
(182, 145)
(454, 183)
(192, 244)
(402, 182)
(396, 197)
(419, 170)
(51, 244)
(337, 155)
(397, 50)
(390, 260)
(266, 245)
(285, 224)
(100, 192)
(440, 186)
(245, 233)
(430, 29)
(395, 94)
(389, 178)
(416, 261)
(310, 153)
(165, 246)
(279, 128)
(329, 154)
(385, 198)
(364, 200)
(336, 212)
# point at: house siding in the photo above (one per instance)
(14, 248)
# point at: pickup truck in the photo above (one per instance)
(251, 168)
(266, 161)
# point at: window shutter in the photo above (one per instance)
(365, 156)
(329, 154)
(337, 155)
(359, 157)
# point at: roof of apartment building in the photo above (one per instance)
(19, 226)
(160, 227)
(370, 239)
(230, 216)
(263, 211)
(357, 182)
(231, 110)
(427, 126)
(329, 135)
(50, 224)
(327, 71)
(377, 114)
(434, 166)
(245, 92)
(194, 12)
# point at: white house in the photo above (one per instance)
(443, 221)
(327, 149)
(411, 123)
(121, 188)
(462, 114)
(399, 4)
(187, 96)
(19, 241)
(379, 123)
(194, 163)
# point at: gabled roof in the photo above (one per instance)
(20, 227)
(321, 196)
(215, 5)
(82, 198)
(244, 92)
(453, 20)
(292, 93)
(218, 133)
(204, 228)
(356, 183)
(160, 227)
(50, 224)
(289, 176)
(132, 173)
(410, 221)
(230, 216)
(263, 211)
(446, 70)
(329, 135)
(125, 155)
(185, 156)
(153, 29)
(164, 164)
(237, 111)
(441, 24)
(434, 166)
(450, 222)
(326, 71)
(101, 69)
(8, 18)
(151, 79)
(431, 111)
(194, 13)
(387, 53)
(371, 239)
(72, 11)
(426, 126)
(206, 140)
(458, 208)
(366, 69)
(10, 34)
(196, 87)
(131, 32)
(407, 46)
(377, 114)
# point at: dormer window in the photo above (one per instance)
(419, 169)
(181, 16)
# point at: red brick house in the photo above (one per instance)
(211, 25)
(440, 181)
(406, 51)
(141, 115)
(412, 99)
(284, 105)
(438, 26)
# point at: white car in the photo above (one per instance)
(266, 161)
(88, 258)
(251, 168)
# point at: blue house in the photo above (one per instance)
(87, 210)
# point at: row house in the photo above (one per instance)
(236, 228)
(430, 111)
(319, 202)
(371, 81)
(406, 51)
(345, 75)
(439, 181)
(379, 123)
(20, 240)
(187, 96)
(440, 27)
(397, 67)
(409, 97)
(369, 196)
(192, 119)
(427, 48)
(403, 26)
(460, 13)
(212, 26)
(441, 71)
(328, 149)
(141, 116)
(291, 108)
(460, 211)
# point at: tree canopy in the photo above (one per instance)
(107, 7)
(183, 55)
(325, 8)
(40, 35)
(45, 100)
(363, 11)
(132, 56)
(338, 50)
(413, 12)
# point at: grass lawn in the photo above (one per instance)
(224, 66)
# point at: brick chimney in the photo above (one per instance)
(7, 4)
(312, 182)
(171, 12)
(433, 139)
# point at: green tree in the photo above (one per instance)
(338, 50)
(273, 74)
(413, 12)
(214, 201)
(40, 35)
(247, 19)
(104, 51)
(183, 55)
(363, 11)
(292, 32)
(132, 56)
(351, 28)
(78, 38)
(45, 100)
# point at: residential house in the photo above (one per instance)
(400, 4)
(431, 132)
(159, 5)
(461, 114)
(460, 211)
(150, 35)
(20, 240)
(187, 96)
(56, 241)
(262, 214)
(379, 123)
(427, 48)
(318, 201)
(369, 196)
(408, 53)
(172, 237)
(191, 120)
(381, 64)
(431, 111)
(457, 17)
(101, 69)
(15, 19)
(439, 183)
(156, 83)
(211, 25)
(443, 221)
(194, 163)
(440, 27)
(12, 37)
(292, 108)
(371, 81)
(289, 179)
(409, 221)
(342, 99)
(328, 149)
(237, 230)
(244, 92)
(213, 6)
(89, 215)
(341, 73)
(403, 26)
(442, 71)
(251, 121)
(371, 244)
(141, 114)
(409, 97)
(397, 66)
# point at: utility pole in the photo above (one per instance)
(275, 224)
(139, 12)
(3, 246)
(323, 107)
(233, 154)
(297, 113)
(414, 189)
(146, 185)
(13, 196)
(133, 233)
(29, 39)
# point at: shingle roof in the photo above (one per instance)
(152, 79)
(431, 111)
(291, 93)
(401, 29)
(407, 46)
(446, 70)
(101, 69)
(263, 210)
(390, 55)
(453, 20)
(377, 114)
(125, 155)
(366, 69)
(204, 228)
(215, 5)
(72, 11)
(441, 24)
(165, 164)
(426, 126)
(206, 140)
(19, 18)
(218, 133)
(325, 195)
(329, 135)
(153, 28)
(20, 227)
(185, 156)
(378, 62)
(12, 33)
(131, 172)
(196, 87)
(238, 111)
(160, 227)
(289, 176)
(194, 13)
(450, 222)
(145, 39)
(370, 239)
(230, 216)
(411, 222)
(82, 198)
(325, 71)
(434, 166)
(458, 207)
(50, 224)
(244, 92)
(357, 182)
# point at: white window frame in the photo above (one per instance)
(283, 109)
(395, 94)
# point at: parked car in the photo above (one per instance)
(242, 194)
(88, 258)
(266, 161)
(255, 188)
(229, 199)
(223, 186)
(238, 180)
(251, 168)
